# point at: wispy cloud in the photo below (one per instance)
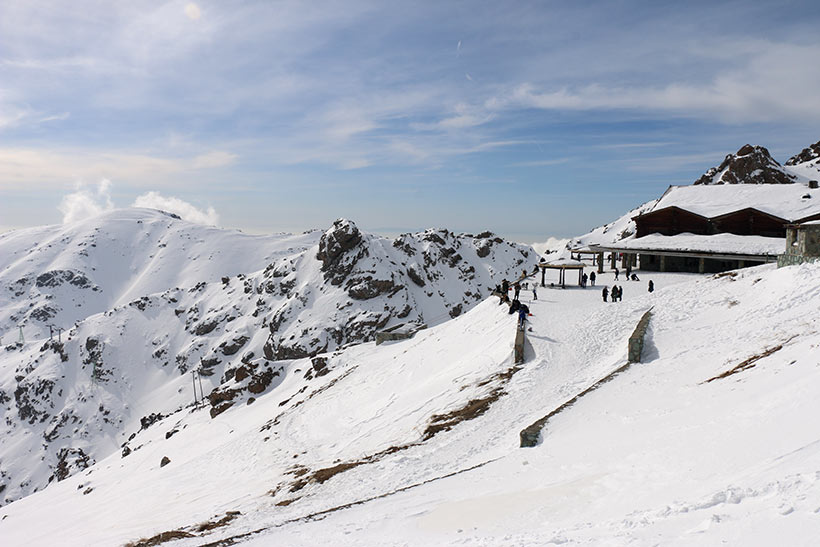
(187, 211)
(542, 163)
(86, 201)
(23, 167)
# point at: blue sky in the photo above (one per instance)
(530, 119)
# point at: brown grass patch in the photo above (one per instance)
(745, 365)
(160, 538)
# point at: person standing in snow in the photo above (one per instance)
(505, 286)
(651, 286)
(592, 278)
(605, 293)
(617, 271)
(523, 312)
(534, 294)
(584, 280)
(628, 272)
(517, 287)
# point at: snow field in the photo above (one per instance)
(656, 456)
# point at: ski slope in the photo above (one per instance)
(658, 455)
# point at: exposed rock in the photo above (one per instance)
(69, 461)
(342, 237)
(807, 154)
(164, 461)
(750, 165)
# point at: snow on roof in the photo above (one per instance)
(781, 200)
(565, 262)
(718, 243)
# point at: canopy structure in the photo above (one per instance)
(562, 265)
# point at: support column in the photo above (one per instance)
(663, 263)
(701, 265)
(543, 272)
(600, 263)
(613, 258)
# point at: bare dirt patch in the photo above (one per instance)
(745, 365)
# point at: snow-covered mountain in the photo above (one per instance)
(145, 298)
(806, 164)
(750, 165)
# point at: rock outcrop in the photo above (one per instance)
(811, 153)
(750, 165)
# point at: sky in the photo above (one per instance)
(529, 119)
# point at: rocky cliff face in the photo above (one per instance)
(810, 154)
(68, 403)
(750, 165)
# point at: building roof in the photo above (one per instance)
(723, 244)
(785, 201)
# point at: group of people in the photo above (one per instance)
(616, 294)
(588, 279)
(515, 304)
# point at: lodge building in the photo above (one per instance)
(714, 228)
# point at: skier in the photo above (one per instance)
(651, 286)
(605, 293)
(592, 278)
(534, 294)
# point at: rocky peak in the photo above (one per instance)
(808, 154)
(334, 245)
(750, 165)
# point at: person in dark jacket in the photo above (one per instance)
(605, 293)
(592, 278)
(523, 312)
(505, 286)
(515, 305)
(517, 288)
(617, 271)
(651, 286)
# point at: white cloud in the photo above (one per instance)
(85, 202)
(192, 11)
(23, 167)
(154, 200)
(213, 159)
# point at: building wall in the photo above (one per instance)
(749, 222)
(691, 264)
(671, 221)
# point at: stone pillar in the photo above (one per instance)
(600, 263)
(663, 263)
(543, 272)
(613, 257)
(701, 265)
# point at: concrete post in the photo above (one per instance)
(600, 263)
(701, 265)
(663, 263)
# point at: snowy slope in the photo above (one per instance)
(70, 403)
(806, 164)
(63, 273)
(711, 440)
(621, 229)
